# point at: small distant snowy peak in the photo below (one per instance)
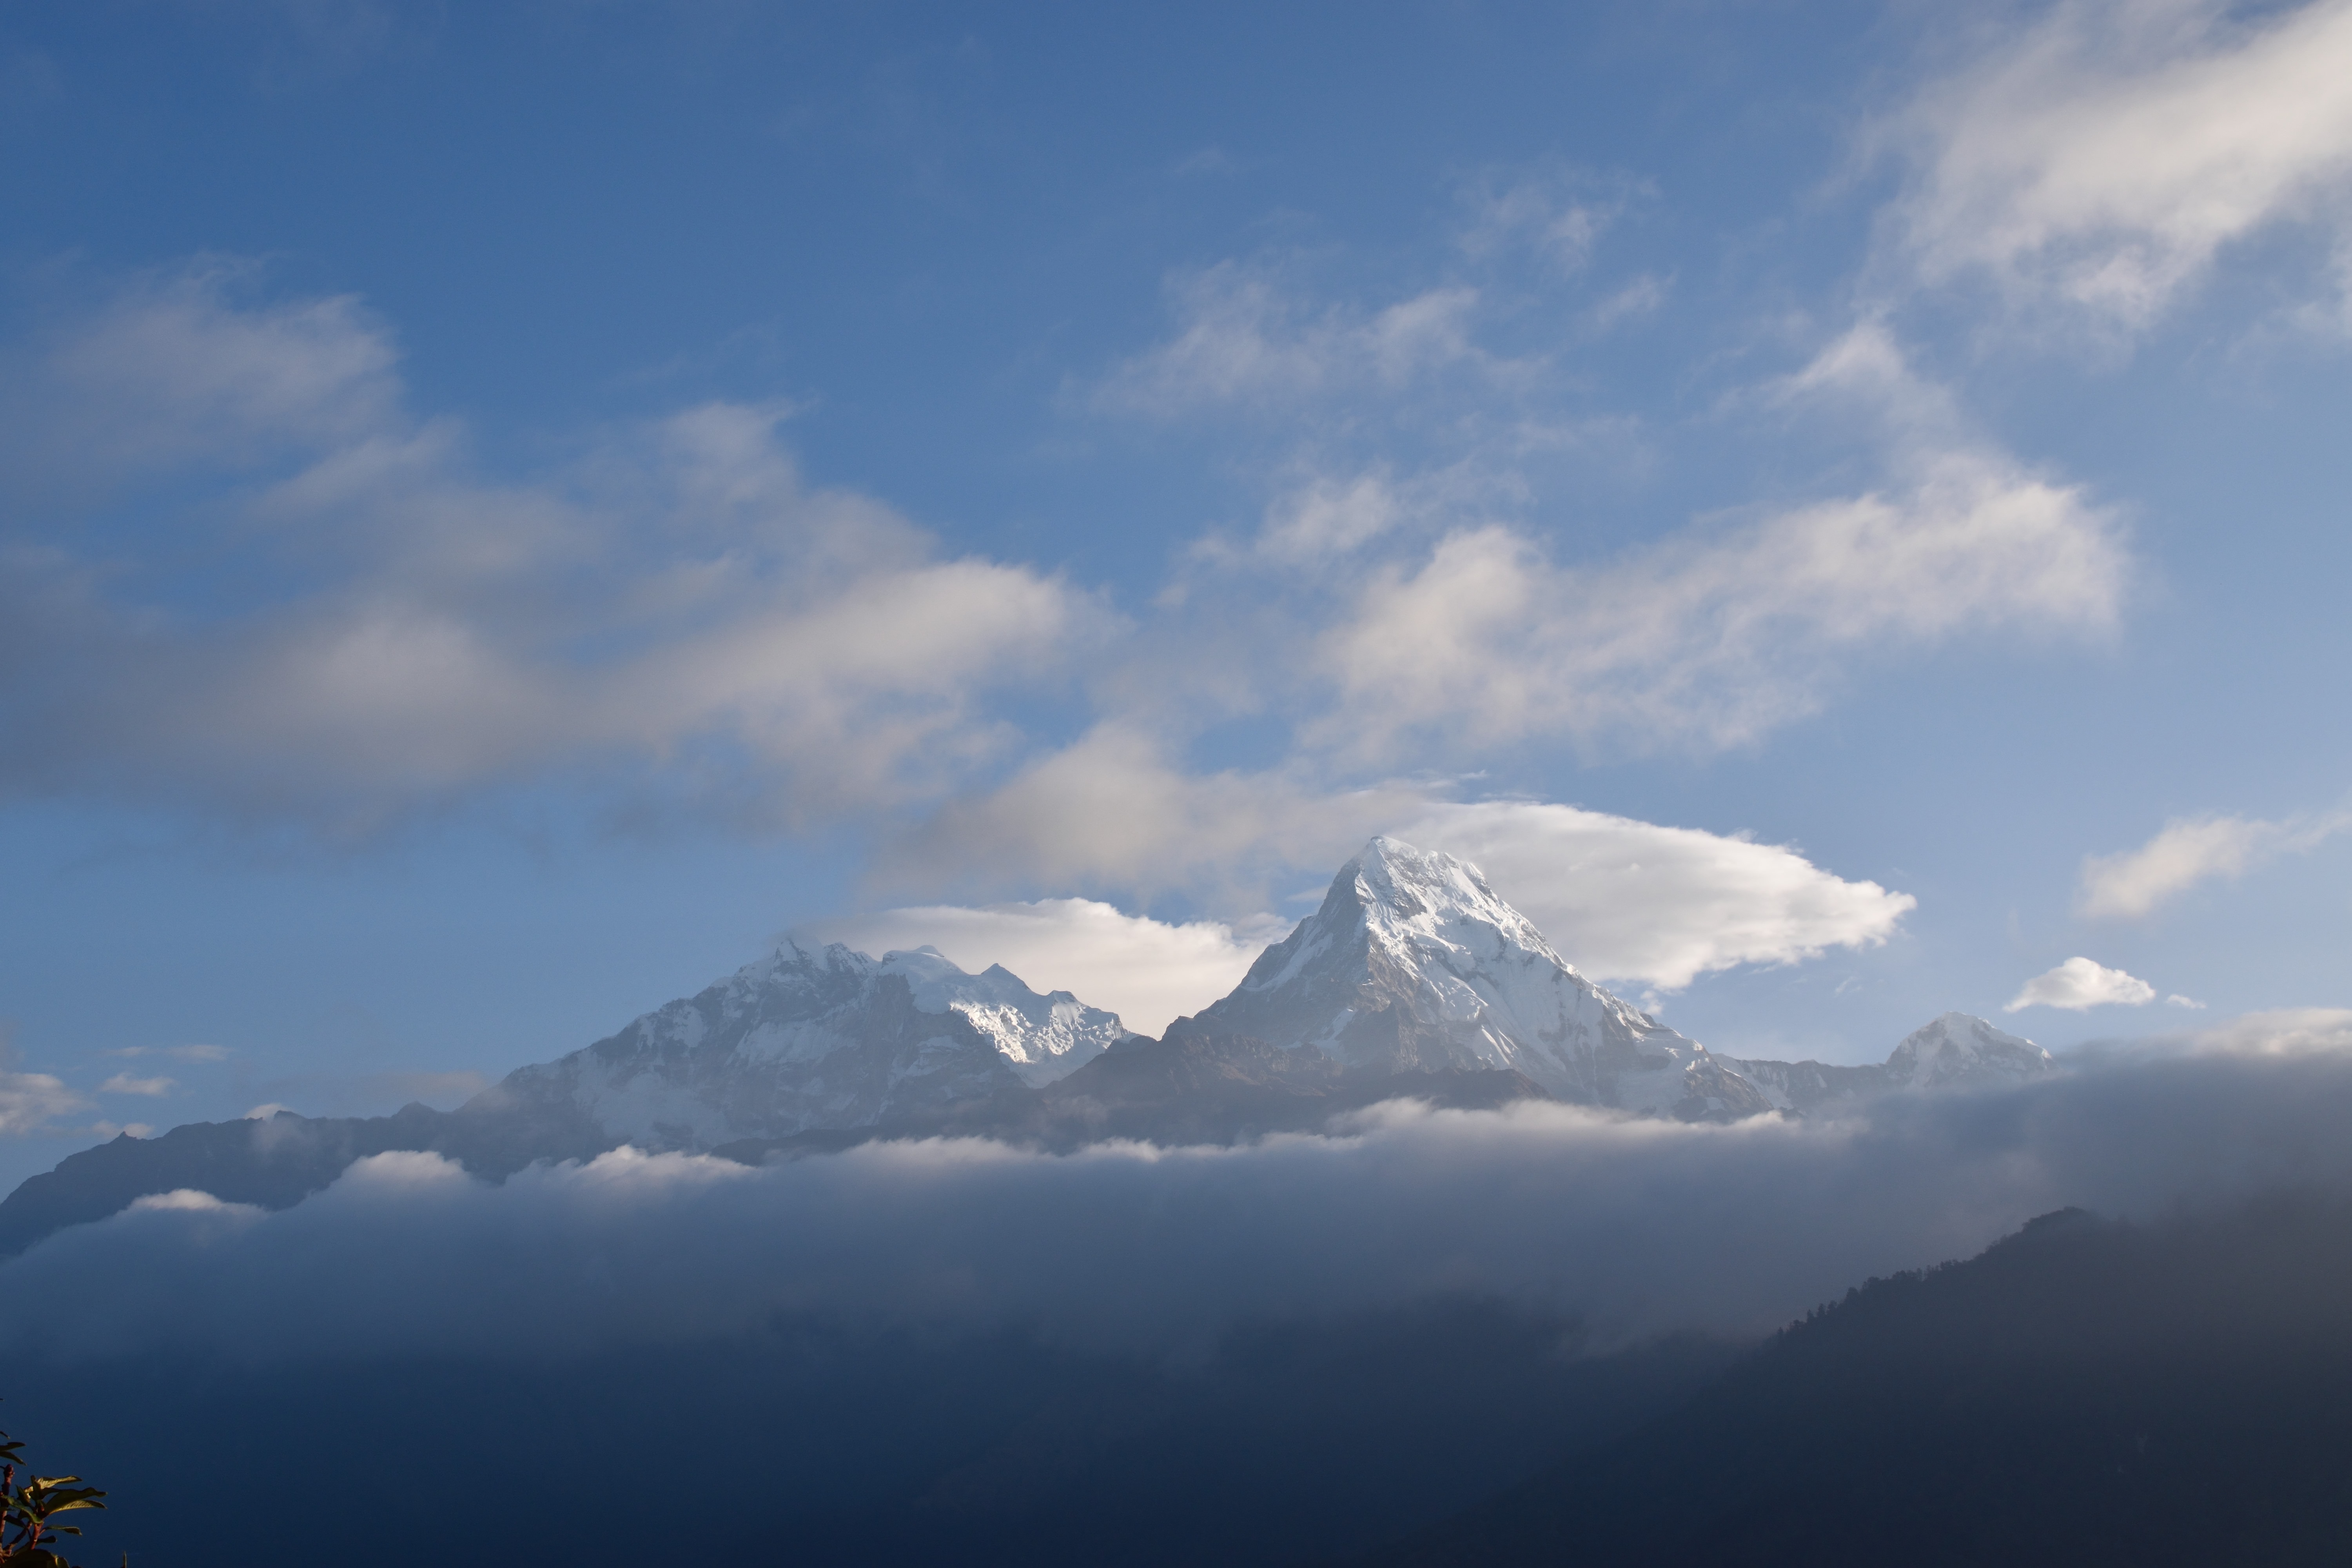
(1414, 962)
(1042, 1037)
(1959, 1050)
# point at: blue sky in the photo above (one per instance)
(510, 508)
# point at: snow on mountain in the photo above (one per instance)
(1957, 1051)
(824, 1037)
(1043, 1038)
(1414, 962)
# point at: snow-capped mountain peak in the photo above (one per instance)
(1962, 1051)
(1042, 1037)
(1417, 896)
(1414, 961)
(817, 1037)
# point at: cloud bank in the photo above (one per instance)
(1642, 1228)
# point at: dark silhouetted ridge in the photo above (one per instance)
(2084, 1392)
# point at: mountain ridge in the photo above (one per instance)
(1413, 979)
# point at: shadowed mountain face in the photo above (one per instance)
(2084, 1392)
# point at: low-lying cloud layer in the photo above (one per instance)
(1641, 1226)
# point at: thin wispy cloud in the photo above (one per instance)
(175, 1053)
(1245, 340)
(2189, 851)
(124, 1083)
(683, 594)
(1557, 214)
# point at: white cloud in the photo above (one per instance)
(123, 1083)
(1714, 638)
(681, 603)
(2078, 983)
(1148, 972)
(1244, 340)
(1630, 900)
(1716, 642)
(2189, 850)
(30, 1101)
(2104, 157)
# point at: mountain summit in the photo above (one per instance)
(1414, 962)
(814, 1038)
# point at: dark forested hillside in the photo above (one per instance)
(2084, 1392)
(818, 1444)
